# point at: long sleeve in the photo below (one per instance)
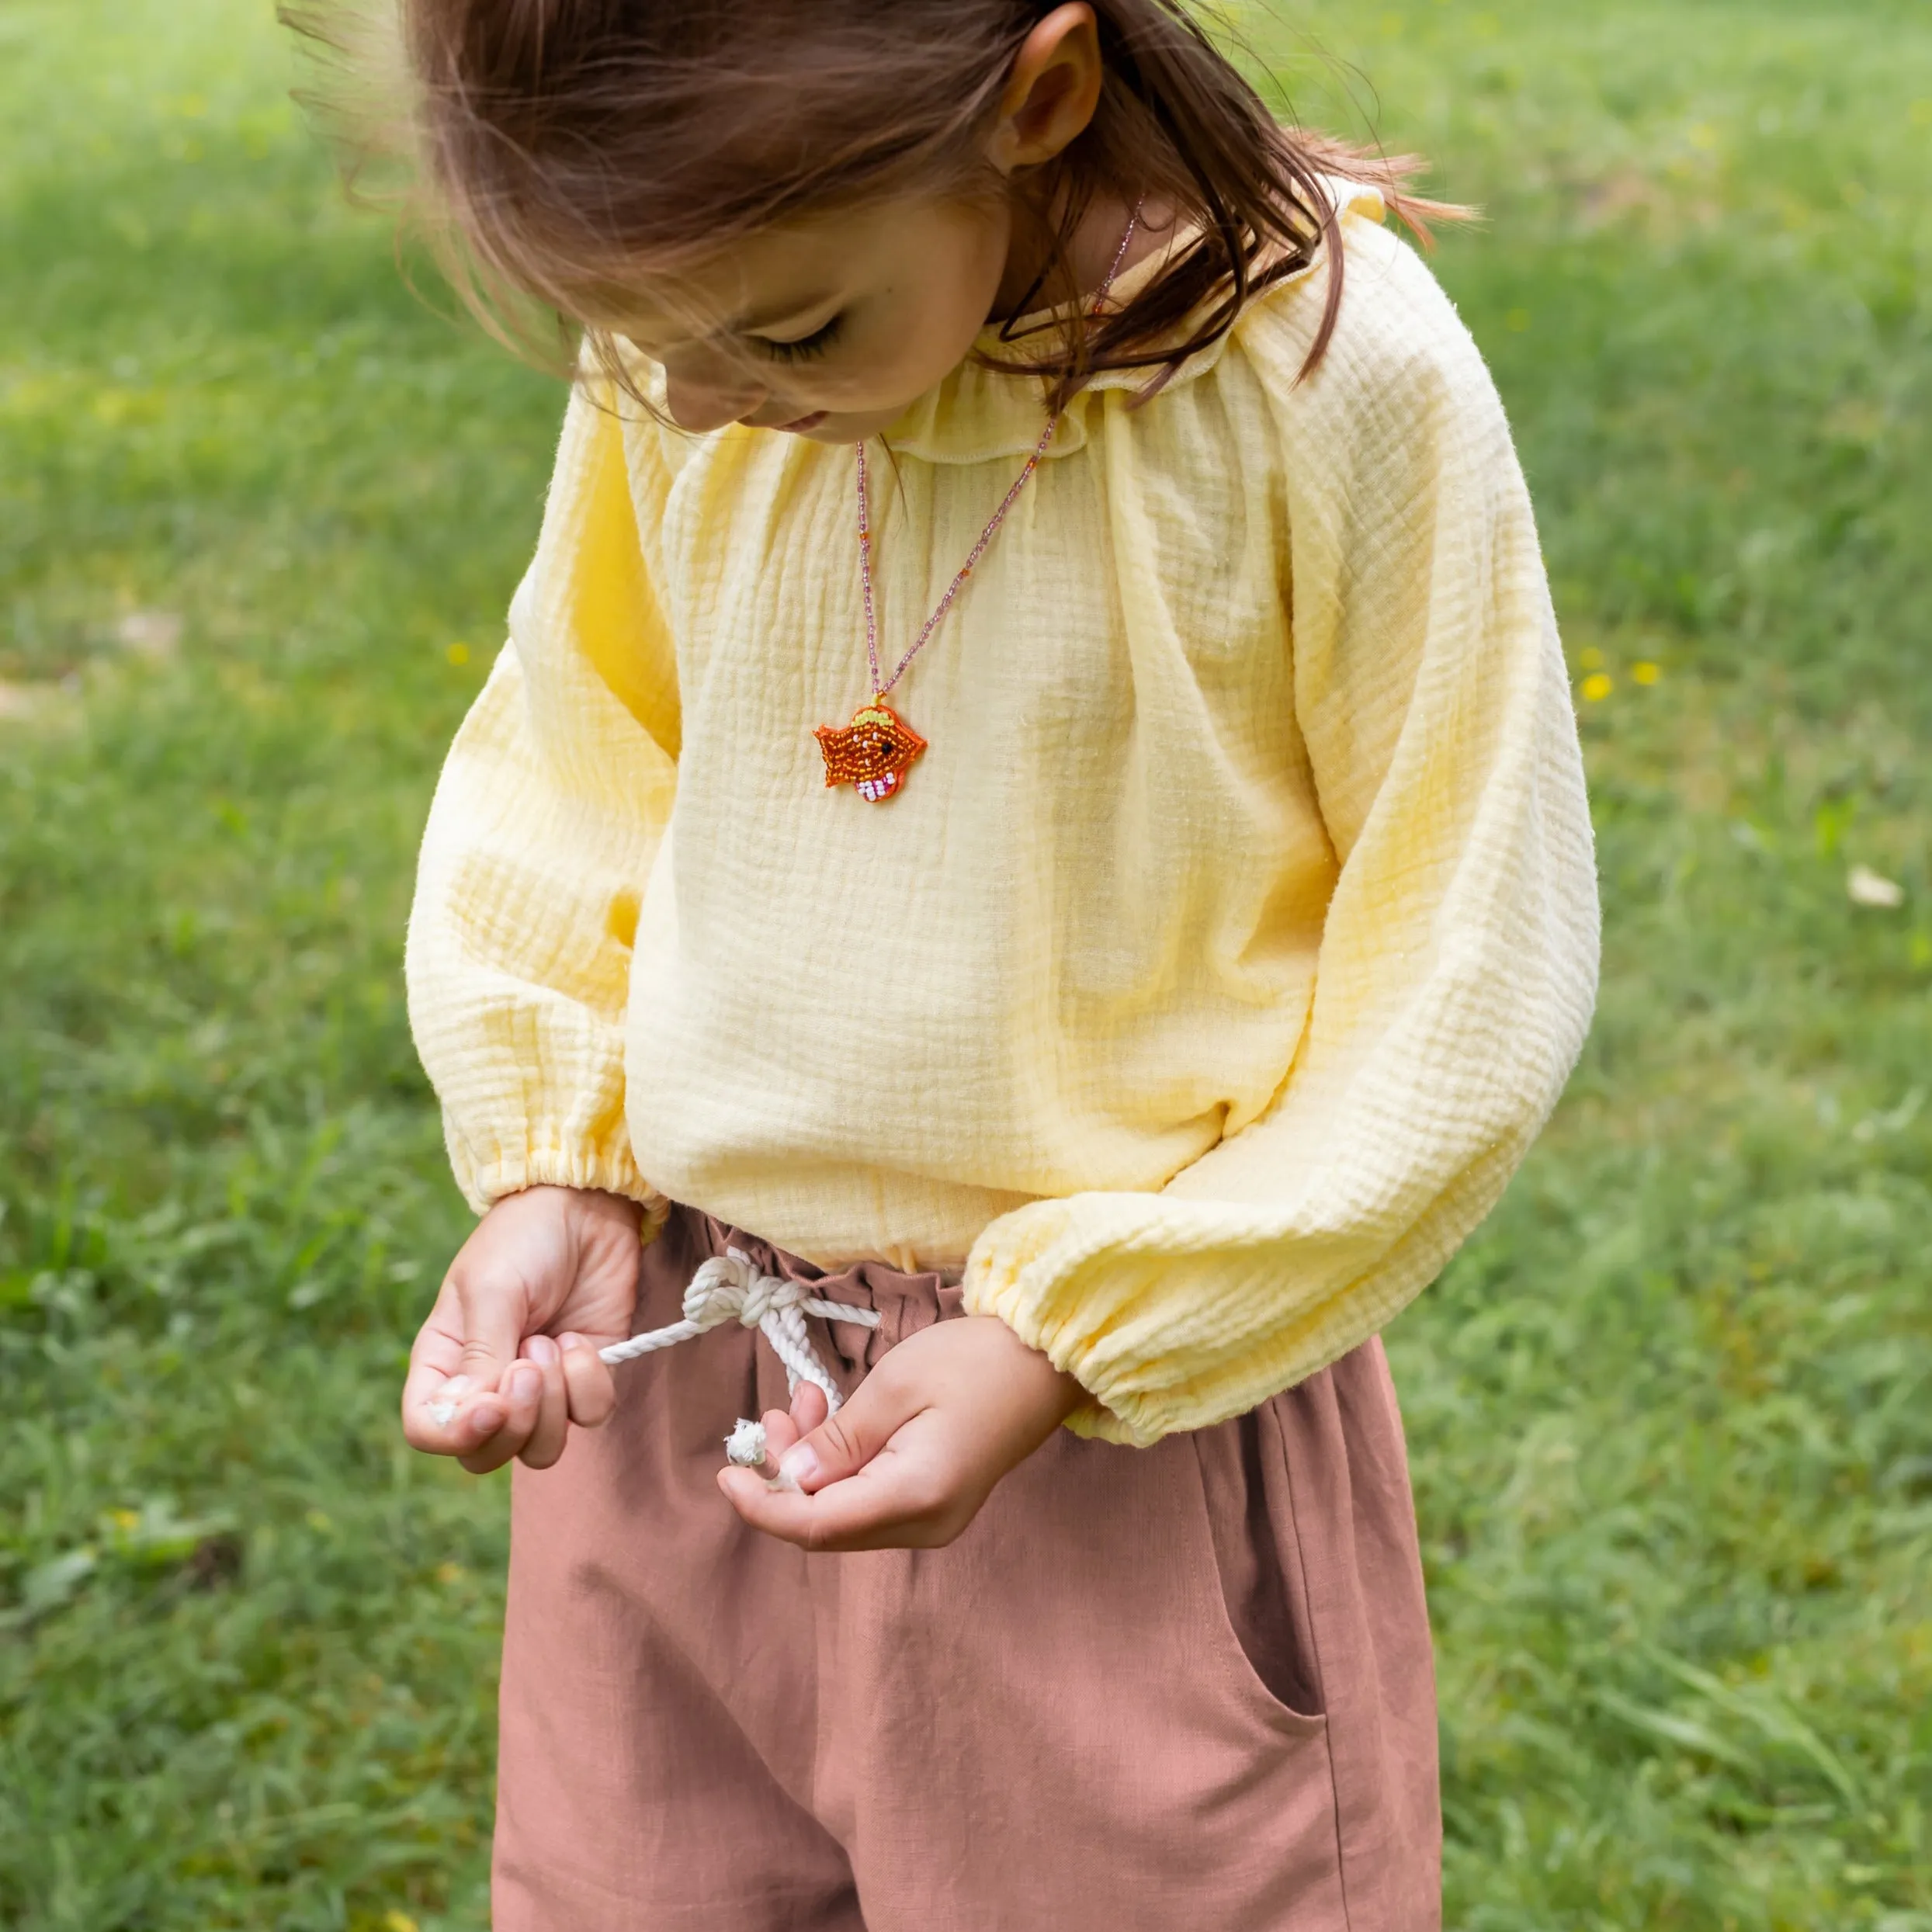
(551, 810)
(1458, 957)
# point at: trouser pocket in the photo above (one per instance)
(1249, 1502)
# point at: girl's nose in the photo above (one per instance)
(700, 406)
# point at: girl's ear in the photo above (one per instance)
(1051, 92)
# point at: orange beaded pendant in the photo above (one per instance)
(872, 755)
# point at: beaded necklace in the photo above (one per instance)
(874, 752)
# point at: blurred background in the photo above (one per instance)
(260, 515)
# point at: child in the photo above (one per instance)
(1104, 982)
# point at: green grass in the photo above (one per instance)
(1671, 1413)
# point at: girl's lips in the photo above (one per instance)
(804, 424)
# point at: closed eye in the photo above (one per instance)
(806, 348)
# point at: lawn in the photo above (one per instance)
(1671, 1412)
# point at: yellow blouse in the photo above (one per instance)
(1216, 964)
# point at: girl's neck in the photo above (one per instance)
(1090, 254)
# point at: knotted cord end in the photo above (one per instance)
(746, 1448)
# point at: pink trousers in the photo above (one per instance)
(1147, 1691)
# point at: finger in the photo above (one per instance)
(780, 1433)
(434, 1356)
(448, 1416)
(429, 1382)
(519, 1399)
(437, 1350)
(588, 1383)
(491, 1322)
(809, 1410)
(444, 1413)
(842, 1445)
(810, 1407)
(892, 1503)
(450, 1405)
(552, 1427)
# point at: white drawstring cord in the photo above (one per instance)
(732, 1287)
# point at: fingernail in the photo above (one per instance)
(526, 1384)
(569, 1344)
(541, 1350)
(487, 1420)
(799, 1464)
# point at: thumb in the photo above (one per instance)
(842, 1445)
(493, 1312)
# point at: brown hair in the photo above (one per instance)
(564, 139)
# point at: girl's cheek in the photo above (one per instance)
(877, 379)
(929, 344)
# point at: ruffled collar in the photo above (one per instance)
(976, 414)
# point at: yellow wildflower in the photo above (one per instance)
(1597, 687)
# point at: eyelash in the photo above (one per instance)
(807, 348)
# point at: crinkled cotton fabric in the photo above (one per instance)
(1216, 964)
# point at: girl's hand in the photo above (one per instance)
(907, 1461)
(487, 1381)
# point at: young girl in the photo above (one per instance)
(1029, 841)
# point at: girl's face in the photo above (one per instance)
(828, 327)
